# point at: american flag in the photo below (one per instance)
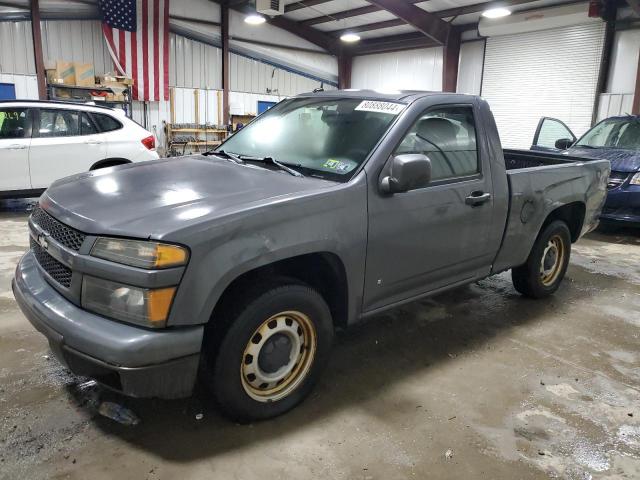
(137, 34)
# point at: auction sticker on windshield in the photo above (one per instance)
(380, 107)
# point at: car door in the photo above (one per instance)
(119, 143)
(15, 140)
(66, 142)
(552, 135)
(427, 238)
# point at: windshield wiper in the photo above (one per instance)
(271, 161)
(231, 156)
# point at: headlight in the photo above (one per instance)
(140, 253)
(143, 306)
(635, 180)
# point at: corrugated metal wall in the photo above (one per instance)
(76, 41)
(16, 48)
(612, 104)
(26, 85)
(194, 64)
(470, 67)
(249, 75)
(419, 69)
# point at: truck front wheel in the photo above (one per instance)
(541, 275)
(272, 353)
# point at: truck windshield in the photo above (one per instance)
(321, 137)
(621, 133)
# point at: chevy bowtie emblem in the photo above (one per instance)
(43, 242)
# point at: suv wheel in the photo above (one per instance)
(547, 264)
(272, 352)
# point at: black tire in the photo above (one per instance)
(225, 349)
(528, 279)
(114, 163)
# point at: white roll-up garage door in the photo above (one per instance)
(552, 73)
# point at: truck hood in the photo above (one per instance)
(152, 199)
(621, 160)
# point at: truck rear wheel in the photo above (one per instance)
(547, 264)
(272, 353)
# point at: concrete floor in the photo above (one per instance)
(512, 388)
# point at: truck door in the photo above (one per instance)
(552, 135)
(438, 235)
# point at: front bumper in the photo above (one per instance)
(136, 361)
(622, 205)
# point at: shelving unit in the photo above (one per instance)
(180, 138)
(75, 93)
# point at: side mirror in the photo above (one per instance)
(564, 143)
(407, 172)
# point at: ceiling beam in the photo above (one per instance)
(395, 22)
(635, 6)
(449, 12)
(429, 24)
(311, 35)
(392, 43)
(292, 7)
(347, 14)
(479, 7)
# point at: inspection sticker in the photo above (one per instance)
(380, 107)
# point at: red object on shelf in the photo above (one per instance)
(595, 10)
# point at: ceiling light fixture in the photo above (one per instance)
(254, 19)
(498, 12)
(350, 37)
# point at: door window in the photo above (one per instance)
(14, 123)
(59, 123)
(550, 131)
(86, 125)
(446, 135)
(106, 123)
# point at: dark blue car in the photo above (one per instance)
(616, 139)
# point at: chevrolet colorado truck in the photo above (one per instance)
(236, 266)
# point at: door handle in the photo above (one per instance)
(93, 142)
(477, 198)
(16, 146)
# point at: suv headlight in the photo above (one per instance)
(140, 253)
(635, 180)
(143, 306)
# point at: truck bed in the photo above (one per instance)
(540, 182)
(517, 159)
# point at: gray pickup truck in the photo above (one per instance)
(236, 266)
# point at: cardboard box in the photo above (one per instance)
(63, 93)
(115, 80)
(85, 75)
(52, 77)
(64, 73)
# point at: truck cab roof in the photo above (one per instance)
(404, 96)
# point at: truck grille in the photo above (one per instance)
(62, 234)
(616, 179)
(53, 267)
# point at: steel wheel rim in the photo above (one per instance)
(552, 260)
(269, 386)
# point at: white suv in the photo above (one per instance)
(42, 141)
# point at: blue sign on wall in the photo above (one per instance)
(7, 91)
(263, 106)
